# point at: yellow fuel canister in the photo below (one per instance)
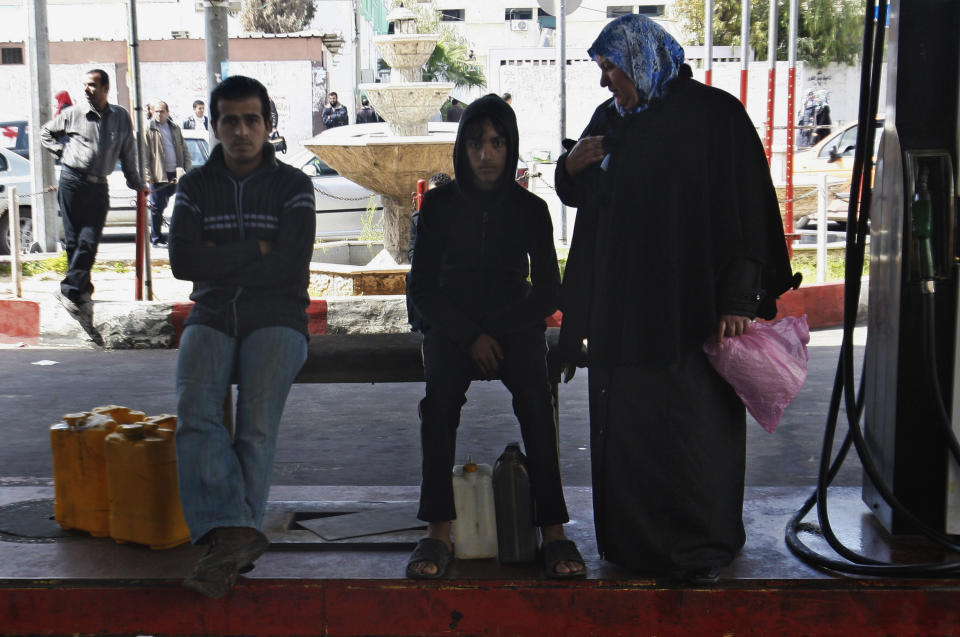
(163, 421)
(123, 415)
(142, 475)
(81, 499)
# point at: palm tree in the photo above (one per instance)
(451, 61)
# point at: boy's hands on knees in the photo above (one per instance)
(486, 354)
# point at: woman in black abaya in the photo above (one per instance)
(678, 239)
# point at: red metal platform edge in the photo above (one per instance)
(399, 608)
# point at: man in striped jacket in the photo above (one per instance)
(243, 232)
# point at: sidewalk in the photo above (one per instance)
(37, 319)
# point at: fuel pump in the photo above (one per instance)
(909, 374)
(910, 387)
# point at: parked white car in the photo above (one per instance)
(123, 201)
(339, 201)
(14, 172)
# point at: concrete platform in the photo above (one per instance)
(76, 585)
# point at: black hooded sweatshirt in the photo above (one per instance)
(477, 249)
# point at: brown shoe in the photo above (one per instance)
(232, 548)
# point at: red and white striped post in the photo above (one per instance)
(791, 114)
(771, 80)
(708, 41)
(141, 241)
(744, 48)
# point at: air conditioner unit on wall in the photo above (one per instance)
(519, 25)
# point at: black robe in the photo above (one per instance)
(680, 227)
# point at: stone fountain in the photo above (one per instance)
(389, 158)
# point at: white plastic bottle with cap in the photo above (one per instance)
(475, 529)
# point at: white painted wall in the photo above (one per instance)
(534, 84)
(77, 19)
(179, 84)
(15, 86)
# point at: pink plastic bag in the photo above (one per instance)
(766, 366)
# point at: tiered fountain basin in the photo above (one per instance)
(372, 156)
(407, 53)
(407, 107)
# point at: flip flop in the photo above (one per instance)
(561, 551)
(430, 550)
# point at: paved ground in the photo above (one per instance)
(345, 434)
(362, 434)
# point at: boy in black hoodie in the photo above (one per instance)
(478, 239)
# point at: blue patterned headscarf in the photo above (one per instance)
(643, 50)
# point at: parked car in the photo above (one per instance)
(14, 136)
(123, 201)
(339, 201)
(833, 156)
(14, 172)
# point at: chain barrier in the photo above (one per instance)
(813, 193)
(338, 197)
(31, 195)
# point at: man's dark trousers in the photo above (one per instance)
(159, 196)
(83, 207)
(448, 371)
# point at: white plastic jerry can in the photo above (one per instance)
(475, 529)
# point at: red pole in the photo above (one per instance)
(771, 79)
(140, 242)
(744, 49)
(791, 114)
(421, 188)
(791, 89)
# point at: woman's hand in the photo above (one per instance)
(588, 151)
(731, 325)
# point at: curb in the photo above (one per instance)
(159, 324)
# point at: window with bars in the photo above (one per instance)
(452, 15)
(518, 14)
(651, 10)
(615, 11)
(11, 55)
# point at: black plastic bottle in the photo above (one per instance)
(513, 500)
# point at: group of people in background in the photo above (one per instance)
(661, 261)
(814, 119)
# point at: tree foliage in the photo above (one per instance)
(277, 16)
(827, 30)
(450, 61)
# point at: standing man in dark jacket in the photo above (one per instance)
(167, 158)
(198, 120)
(478, 239)
(366, 114)
(335, 114)
(93, 137)
(455, 112)
(242, 231)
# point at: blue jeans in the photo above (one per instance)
(225, 482)
(160, 194)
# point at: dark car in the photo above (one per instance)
(14, 136)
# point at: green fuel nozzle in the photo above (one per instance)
(922, 224)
